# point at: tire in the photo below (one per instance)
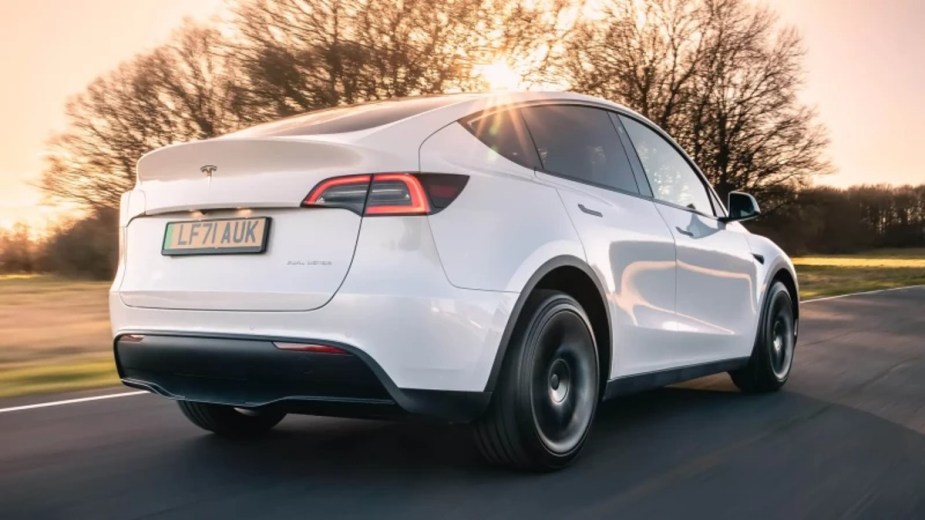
(547, 394)
(771, 361)
(227, 421)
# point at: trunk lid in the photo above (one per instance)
(233, 173)
(308, 251)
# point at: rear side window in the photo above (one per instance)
(349, 118)
(505, 133)
(580, 143)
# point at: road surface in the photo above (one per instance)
(845, 438)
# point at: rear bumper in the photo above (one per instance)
(395, 306)
(251, 372)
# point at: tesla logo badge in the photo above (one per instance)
(209, 169)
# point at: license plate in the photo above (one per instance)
(216, 236)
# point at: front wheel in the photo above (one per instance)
(228, 421)
(772, 357)
(548, 390)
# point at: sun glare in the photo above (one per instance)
(500, 76)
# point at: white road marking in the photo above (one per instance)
(861, 293)
(70, 401)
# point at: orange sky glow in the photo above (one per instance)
(863, 66)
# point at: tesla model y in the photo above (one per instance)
(504, 260)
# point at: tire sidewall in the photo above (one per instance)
(777, 292)
(526, 354)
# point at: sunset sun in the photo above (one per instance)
(500, 76)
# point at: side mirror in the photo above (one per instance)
(742, 206)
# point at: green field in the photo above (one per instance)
(54, 333)
(880, 269)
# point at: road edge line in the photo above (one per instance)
(69, 401)
(875, 291)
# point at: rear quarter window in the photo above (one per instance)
(505, 133)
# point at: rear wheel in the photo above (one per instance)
(547, 394)
(228, 421)
(772, 357)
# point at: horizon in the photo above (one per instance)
(856, 69)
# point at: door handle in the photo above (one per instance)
(590, 211)
(684, 231)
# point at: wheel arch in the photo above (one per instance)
(774, 265)
(779, 271)
(575, 277)
(787, 278)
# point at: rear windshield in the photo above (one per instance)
(350, 118)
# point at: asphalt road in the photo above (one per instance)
(845, 438)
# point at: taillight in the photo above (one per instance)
(340, 192)
(309, 347)
(396, 194)
(388, 193)
(442, 188)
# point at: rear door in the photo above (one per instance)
(625, 240)
(716, 272)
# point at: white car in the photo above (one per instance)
(506, 260)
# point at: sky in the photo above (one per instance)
(865, 74)
(49, 51)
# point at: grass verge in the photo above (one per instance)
(54, 335)
(60, 375)
(882, 269)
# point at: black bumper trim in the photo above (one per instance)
(651, 380)
(249, 371)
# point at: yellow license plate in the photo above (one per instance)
(216, 236)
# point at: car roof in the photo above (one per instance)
(405, 135)
(433, 111)
(461, 105)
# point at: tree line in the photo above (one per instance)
(722, 76)
(83, 248)
(832, 221)
(817, 220)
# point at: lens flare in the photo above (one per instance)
(500, 76)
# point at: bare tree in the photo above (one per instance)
(719, 75)
(178, 92)
(644, 54)
(279, 58)
(297, 55)
(19, 251)
(84, 248)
